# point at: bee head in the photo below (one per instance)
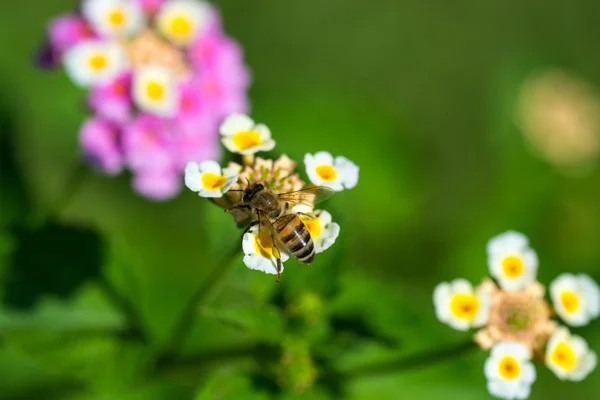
(251, 190)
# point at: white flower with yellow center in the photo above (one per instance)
(323, 230)
(461, 307)
(576, 298)
(509, 371)
(155, 90)
(323, 170)
(258, 251)
(93, 62)
(242, 136)
(181, 21)
(208, 179)
(511, 261)
(569, 356)
(113, 18)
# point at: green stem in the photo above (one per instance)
(406, 363)
(134, 329)
(205, 292)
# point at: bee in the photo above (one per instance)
(271, 210)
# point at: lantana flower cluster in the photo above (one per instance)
(514, 319)
(161, 75)
(225, 185)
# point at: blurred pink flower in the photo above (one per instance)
(203, 79)
(150, 6)
(148, 143)
(197, 144)
(193, 109)
(67, 30)
(157, 184)
(99, 140)
(113, 101)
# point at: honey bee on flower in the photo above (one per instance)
(267, 197)
(514, 319)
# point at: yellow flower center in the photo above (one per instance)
(326, 172)
(563, 356)
(116, 17)
(263, 244)
(509, 368)
(98, 62)
(154, 90)
(570, 301)
(213, 181)
(513, 266)
(180, 26)
(464, 306)
(313, 225)
(246, 139)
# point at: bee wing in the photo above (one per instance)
(309, 196)
(264, 223)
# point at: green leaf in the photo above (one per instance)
(88, 311)
(54, 259)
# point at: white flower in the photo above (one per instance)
(113, 18)
(458, 305)
(258, 251)
(92, 62)
(511, 261)
(155, 90)
(181, 21)
(509, 371)
(336, 174)
(323, 231)
(241, 135)
(569, 356)
(208, 179)
(576, 298)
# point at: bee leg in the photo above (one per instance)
(277, 256)
(238, 207)
(279, 267)
(252, 224)
(309, 216)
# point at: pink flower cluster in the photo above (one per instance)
(211, 83)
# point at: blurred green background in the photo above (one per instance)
(420, 94)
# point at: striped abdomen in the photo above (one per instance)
(296, 238)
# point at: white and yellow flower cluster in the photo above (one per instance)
(515, 319)
(241, 135)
